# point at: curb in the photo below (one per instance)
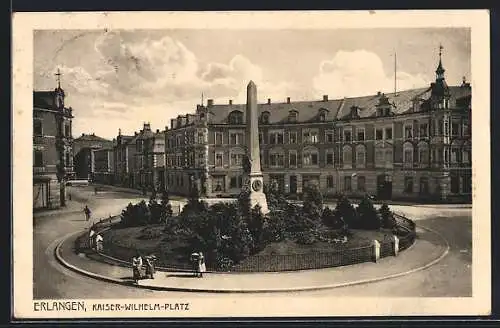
(61, 260)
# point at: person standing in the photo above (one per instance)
(91, 238)
(99, 242)
(136, 267)
(201, 264)
(87, 212)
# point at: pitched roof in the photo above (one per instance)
(278, 112)
(91, 137)
(308, 111)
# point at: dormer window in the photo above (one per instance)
(354, 112)
(322, 114)
(292, 116)
(236, 117)
(265, 118)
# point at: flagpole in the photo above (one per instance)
(395, 74)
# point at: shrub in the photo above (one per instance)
(368, 217)
(276, 200)
(306, 238)
(135, 215)
(388, 221)
(313, 202)
(345, 212)
(329, 219)
(165, 207)
(255, 223)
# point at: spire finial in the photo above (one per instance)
(58, 74)
(440, 50)
(202, 98)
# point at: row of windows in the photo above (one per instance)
(39, 162)
(38, 128)
(218, 184)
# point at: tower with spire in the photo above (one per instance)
(440, 90)
(59, 92)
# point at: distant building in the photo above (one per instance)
(149, 166)
(104, 166)
(52, 148)
(124, 160)
(84, 156)
(413, 144)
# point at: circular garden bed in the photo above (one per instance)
(237, 239)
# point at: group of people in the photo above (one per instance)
(137, 267)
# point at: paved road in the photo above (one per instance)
(450, 277)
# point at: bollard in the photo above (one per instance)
(396, 245)
(376, 251)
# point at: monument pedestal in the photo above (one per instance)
(256, 195)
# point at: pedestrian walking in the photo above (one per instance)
(150, 266)
(202, 266)
(87, 212)
(136, 267)
(195, 261)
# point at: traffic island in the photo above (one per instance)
(429, 248)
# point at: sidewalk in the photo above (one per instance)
(429, 248)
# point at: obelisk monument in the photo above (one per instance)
(254, 181)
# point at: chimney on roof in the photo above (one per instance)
(147, 127)
(210, 102)
(230, 101)
(135, 133)
(379, 93)
(83, 134)
(325, 97)
(287, 100)
(157, 130)
(269, 101)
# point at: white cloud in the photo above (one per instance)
(359, 73)
(134, 80)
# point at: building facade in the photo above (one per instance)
(84, 147)
(124, 155)
(52, 148)
(413, 144)
(104, 166)
(149, 167)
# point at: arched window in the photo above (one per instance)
(293, 116)
(264, 118)
(310, 156)
(347, 156)
(360, 156)
(236, 117)
(423, 153)
(408, 154)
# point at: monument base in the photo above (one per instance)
(259, 198)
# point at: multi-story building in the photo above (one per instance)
(52, 148)
(124, 154)
(149, 154)
(413, 144)
(104, 165)
(84, 147)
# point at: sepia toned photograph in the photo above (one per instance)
(268, 164)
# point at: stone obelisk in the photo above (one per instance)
(255, 181)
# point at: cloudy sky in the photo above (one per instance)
(120, 79)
